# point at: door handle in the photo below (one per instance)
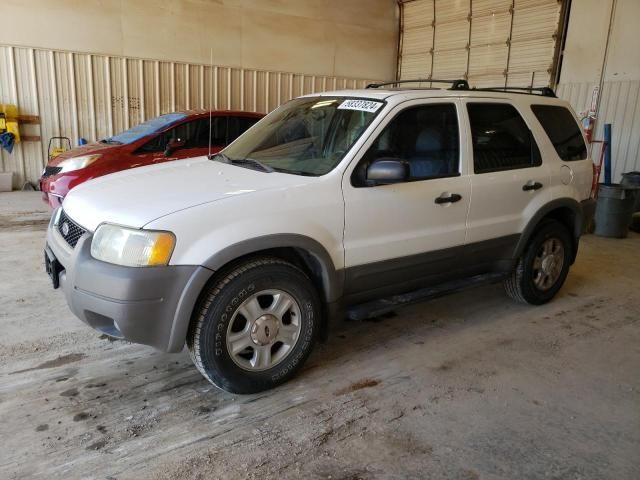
(453, 198)
(531, 186)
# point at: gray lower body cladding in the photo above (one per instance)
(153, 305)
(147, 305)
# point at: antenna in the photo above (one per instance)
(210, 100)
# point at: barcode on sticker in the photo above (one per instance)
(362, 105)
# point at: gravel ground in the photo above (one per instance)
(471, 386)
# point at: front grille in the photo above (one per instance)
(50, 171)
(72, 229)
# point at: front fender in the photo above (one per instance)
(310, 218)
(332, 279)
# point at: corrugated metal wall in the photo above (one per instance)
(488, 42)
(93, 96)
(619, 106)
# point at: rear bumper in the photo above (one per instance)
(151, 305)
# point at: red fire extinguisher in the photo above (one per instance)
(587, 125)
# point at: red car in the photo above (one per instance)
(173, 136)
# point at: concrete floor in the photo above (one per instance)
(472, 386)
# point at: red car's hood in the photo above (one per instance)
(84, 150)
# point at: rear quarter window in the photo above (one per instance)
(563, 131)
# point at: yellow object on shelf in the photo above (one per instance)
(10, 120)
(10, 111)
(12, 127)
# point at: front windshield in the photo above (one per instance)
(145, 128)
(306, 136)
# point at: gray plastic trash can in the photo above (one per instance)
(631, 180)
(614, 210)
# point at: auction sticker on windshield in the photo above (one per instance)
(362, 105)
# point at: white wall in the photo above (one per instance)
(353, 38)
(90, 68)
(582, 70)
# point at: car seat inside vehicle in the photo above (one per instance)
(425, 136)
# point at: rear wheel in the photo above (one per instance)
(543, 267)
(255, 327)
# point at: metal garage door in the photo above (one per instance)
(488, 42)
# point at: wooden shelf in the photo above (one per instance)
(29, 119)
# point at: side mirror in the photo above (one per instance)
(172, 145)
(384, 171)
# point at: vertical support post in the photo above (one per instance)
(110, 103)
(125, 92)
(512, 11)
(157, 88)
(400, 40)
(607, 154)
(141, 92)
(470, 19)
(433, 42)
(92, 100)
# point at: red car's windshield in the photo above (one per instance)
(146, 128)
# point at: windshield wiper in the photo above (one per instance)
(253, 161)
(221, 157)
(295, 172)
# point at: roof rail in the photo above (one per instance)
(543, 91)
(455, 84)
(464, 85)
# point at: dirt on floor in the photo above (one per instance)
(471, 386)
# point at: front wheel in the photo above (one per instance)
(543, 267)
(254, 328)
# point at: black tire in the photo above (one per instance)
(520, 285)
(207, 336)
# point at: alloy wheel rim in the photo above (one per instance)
(264, 330)
(548, 264)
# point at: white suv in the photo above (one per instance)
(353, 201)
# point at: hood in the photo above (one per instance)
(138, 196)
(83, 150)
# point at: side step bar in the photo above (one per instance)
(381, 306)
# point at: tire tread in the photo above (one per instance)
(193, 335)
(514, 283)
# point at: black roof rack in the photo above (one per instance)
(455, 84)
(544, 91)
(464, 85)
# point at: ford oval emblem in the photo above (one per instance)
(65, 229)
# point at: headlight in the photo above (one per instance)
(76, 163)
(130, 247)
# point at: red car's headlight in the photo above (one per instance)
(76, 163)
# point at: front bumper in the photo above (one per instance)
(147, 305)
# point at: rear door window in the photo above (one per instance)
(239, 125)
(501, 138)
(186, 132)
(245, 123)
(218, 132)
(563, 131)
